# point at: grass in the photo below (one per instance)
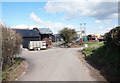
(92, 46)
(18, 60)
(6, 72)
(106, 58)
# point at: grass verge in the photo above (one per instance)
(15, 71)
(107, 59)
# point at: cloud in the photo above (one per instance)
(107, 21)
(46, 23)
(1, 21)
(69, 26)
(83, 8)
(97, 21)
(107, 29)
(83, 0)
(22, 26)
(100, 27)
(55, 27)
(115, 25)
(36, 19)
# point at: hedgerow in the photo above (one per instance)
(11, 42)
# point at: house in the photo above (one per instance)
(56, 38)
(45, 35)
(28, 35)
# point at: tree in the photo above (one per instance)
(68, 34)
(74, 34)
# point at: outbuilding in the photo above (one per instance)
(28, 35)
(46, 35)
(57, 38)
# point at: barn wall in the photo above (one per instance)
(47, 38)
(26, 41)
(53, 38)
(56, 38)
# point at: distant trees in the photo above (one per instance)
(11, 42)
(68, 34)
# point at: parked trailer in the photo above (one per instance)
(36, 45)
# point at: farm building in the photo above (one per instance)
(56, 38)
(45, 35)
(28, 35)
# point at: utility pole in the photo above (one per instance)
(83, 31)
(85, 28)
(80, 30)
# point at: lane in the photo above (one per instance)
(56, 64)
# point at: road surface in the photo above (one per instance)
(55, 64)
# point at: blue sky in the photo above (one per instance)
(57, 15)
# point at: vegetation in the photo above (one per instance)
(106, 55)
(11, 42)
(106, 59)
(92, 46)
(68, 34)
(10, 70)
(112, 38)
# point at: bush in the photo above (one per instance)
(113, 37)
(106, 59)
(11, 42)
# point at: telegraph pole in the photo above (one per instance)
(83, 31)
(85, 28)
(80, 30)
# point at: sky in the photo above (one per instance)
(99, 16)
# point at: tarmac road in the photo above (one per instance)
(55, 64)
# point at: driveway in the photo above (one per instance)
(55, 64)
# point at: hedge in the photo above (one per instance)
(11, 42)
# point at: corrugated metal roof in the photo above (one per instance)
(28, 33)
(45, 31)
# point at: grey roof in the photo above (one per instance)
(28, 33)
(45, 31)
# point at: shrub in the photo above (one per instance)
(113, 37)
(106, 59)
(11, 42)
